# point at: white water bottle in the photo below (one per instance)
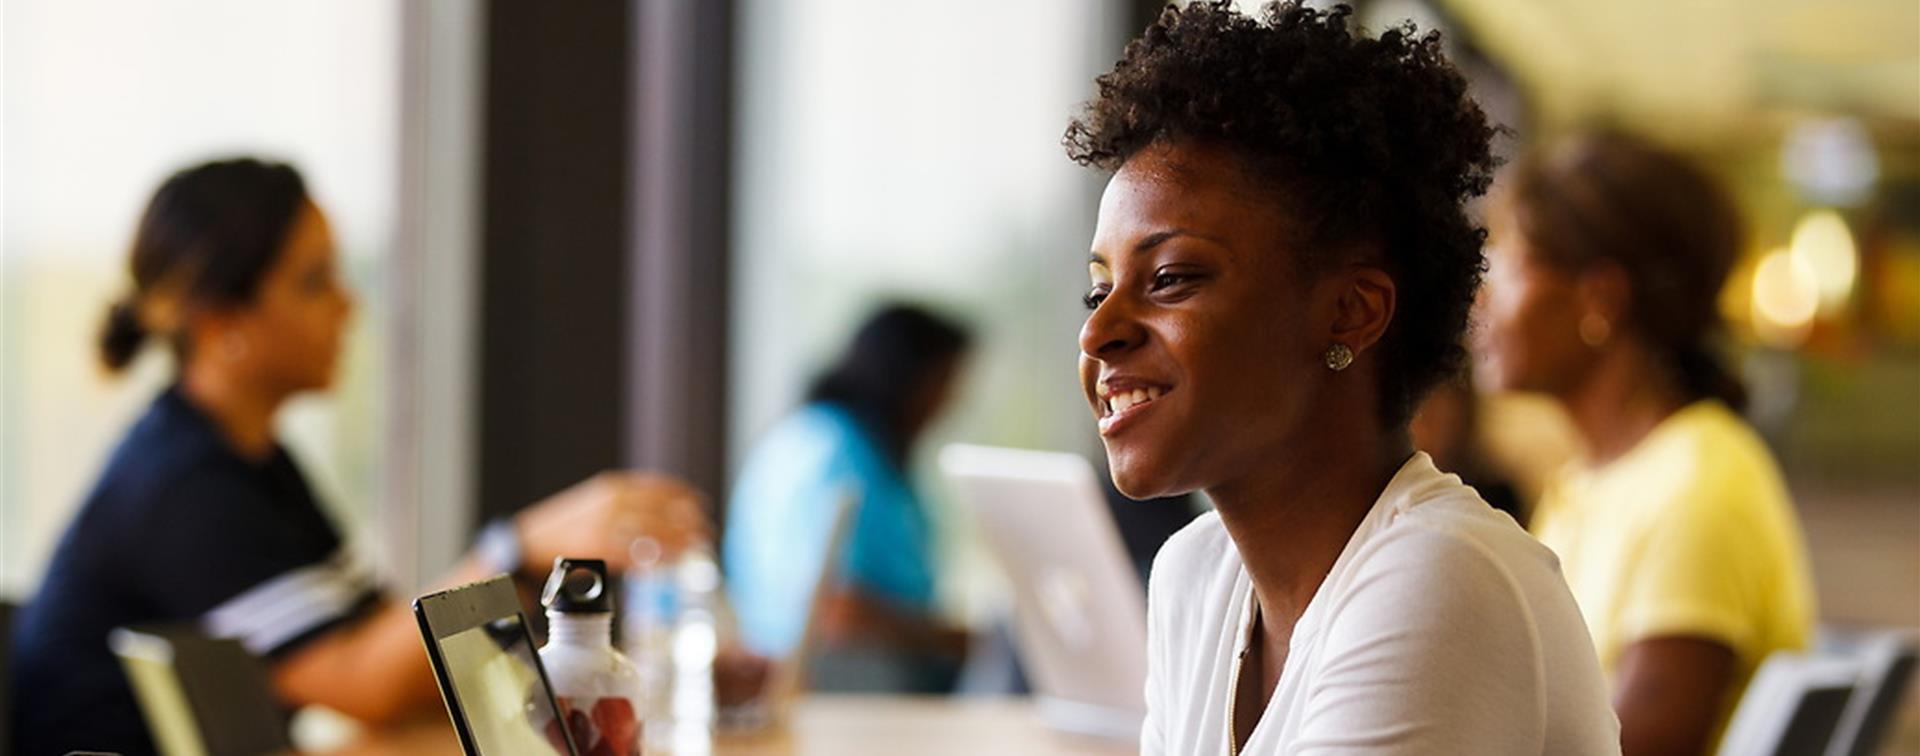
(597, 688)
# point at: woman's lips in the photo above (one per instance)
(1120, 407)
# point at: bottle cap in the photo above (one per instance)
(577, 586)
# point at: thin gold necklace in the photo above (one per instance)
(1233, 694)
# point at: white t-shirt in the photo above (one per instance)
(1443, 628)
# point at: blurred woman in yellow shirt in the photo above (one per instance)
(1676, 532)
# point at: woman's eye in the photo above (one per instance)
(1092, 299)
(1164, 280)
(316, 278)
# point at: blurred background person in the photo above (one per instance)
(1676, 530)
(851, 444)
(1447, 427)
(202, 517)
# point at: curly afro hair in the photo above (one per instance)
(1369, 143)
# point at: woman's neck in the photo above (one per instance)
(1311, 499)
(243, 414)
(1626, 394)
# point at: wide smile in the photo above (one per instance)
(1120, 403)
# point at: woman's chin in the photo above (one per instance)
(1135, 477)
(319, 383)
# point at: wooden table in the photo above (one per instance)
(837, 725)
(862, 725)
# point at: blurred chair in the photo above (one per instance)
(792, 674)
(201, 696)
(6, 676)
(1886, 661)
(1792, 707)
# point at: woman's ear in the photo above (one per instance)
(215, 331)
(1364, 307)
(1603, 293)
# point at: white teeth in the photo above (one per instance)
(1120, 401)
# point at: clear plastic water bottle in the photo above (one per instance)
(696, 640)
(597, 687)
(671, 629)
(647, 630)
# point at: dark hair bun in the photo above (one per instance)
(122, 336)
(208, 237)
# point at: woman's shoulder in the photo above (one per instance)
(816, 444)
(1705, 460)
(165, 481)
(1723, 447)
(1456, 573)
(167, 448)
(807, 424)
(165, 486)
(1451, 531)
(1426, 504)
(808, 437)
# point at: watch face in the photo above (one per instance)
(499, 547)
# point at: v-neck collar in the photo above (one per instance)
(1418, 467)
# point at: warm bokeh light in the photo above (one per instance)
(1822, 243)
(1786, 296)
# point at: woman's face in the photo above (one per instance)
(293, 326)
(1529, 314)
(930, 398)
(1199, 358)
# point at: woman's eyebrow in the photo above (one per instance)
(1150, 241)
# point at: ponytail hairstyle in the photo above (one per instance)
(206, 240)
(1611, 198)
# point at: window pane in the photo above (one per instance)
(913, 149)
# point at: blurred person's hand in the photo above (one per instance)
(739, 676)
(602, 516)
(851, 618)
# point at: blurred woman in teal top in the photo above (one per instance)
(849, 445)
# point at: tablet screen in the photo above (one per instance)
(492, 669)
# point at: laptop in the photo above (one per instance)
(200, 695)
(1080, 618)
(1792, 706)
(496, 691)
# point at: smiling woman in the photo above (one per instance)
(1281, 268)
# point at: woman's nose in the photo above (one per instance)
(347, 301)
(1112, 329)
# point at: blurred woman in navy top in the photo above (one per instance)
(201, 516)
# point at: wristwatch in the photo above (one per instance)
(498, 547)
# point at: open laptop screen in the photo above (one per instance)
(491, 678)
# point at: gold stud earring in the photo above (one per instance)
(1595, 330)
(1339, 356)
